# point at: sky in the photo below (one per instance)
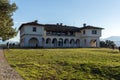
(99, 13)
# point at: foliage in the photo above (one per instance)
(107, 44)
(65, 64)
(6, 21)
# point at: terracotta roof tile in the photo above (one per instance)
(59, 28)
(30, 23)
(90, 27)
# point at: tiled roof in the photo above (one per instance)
(59, 27)
(90, 27)
(30, 23)
(53, 27)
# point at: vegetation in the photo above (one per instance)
(6, 21)
(107, 44)
(65, 64)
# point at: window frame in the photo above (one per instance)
(94, 31)
(34, 29)
(84, 32)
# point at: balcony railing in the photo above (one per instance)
(60, 34)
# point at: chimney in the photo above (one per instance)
(61, 24)
(84, 25)
(36, 21)
(57, 24)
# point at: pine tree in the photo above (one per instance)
(6, 21)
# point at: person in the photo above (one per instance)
(8, 45)
(119, 48)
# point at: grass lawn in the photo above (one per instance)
(65, 64)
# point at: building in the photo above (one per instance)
(33, 34)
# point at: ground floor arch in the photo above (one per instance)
(33, 42)
(54, 42)
(93, 43)
(60, 42)
(66, 42)
(48, 42)
(72, 42)
(77, 43)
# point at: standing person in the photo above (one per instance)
(8, 45)
(119, 48)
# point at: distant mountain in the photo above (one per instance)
(116, 39)
(113, 38)
(117, 43)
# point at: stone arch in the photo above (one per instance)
(60, 42)
(72, 42)
(48, 42)
(33, 42)
(77, 43)
(93, 43)
(66, 42)
(54, 42)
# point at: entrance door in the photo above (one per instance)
(33, 42)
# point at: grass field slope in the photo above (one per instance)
(65, 64)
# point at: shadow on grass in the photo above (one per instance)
(107, 72)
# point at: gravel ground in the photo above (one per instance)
(6, 72)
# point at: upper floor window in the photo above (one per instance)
(94, 31)
(84, 32)
(34, 29)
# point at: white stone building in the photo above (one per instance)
(33, 34)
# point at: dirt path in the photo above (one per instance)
(6, 72)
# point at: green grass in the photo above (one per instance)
(65, 64)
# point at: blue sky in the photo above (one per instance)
(101, 13)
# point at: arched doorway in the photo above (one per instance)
(77, 43)
(33, 42)
(48, 42)
(93, 43)
(72, 42)
(66, 42)
(54, 42)
(60, 42)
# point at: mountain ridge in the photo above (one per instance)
(116, 39)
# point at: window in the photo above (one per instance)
(84, 32)
(34, 29)
(94, 31)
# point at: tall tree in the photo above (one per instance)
(6, 21)
(107, 44)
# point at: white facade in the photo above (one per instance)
(36, 35)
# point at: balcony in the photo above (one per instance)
(59, 34)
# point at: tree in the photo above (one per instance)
(107, 44)
(102, 44)
(6, 21)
